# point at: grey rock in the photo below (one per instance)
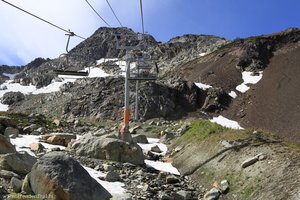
(112, 176)
(182, 195)
(108, 148)
(100, 132)
(26, 188)
(62, 177)
(10, 98)
(8, 174)
(16, 184)
(155, 149)
(166, 137)
(230, 144)
(212, 194)
(133, 129)
(30, 128)
(108, 167)
(140, 139)
(224, 186)
(249, 162)
(18, 162)
(39, 131)
(5, 145)
(162, 175)
(164, 196)
(261, 156)
(11, 132)
(171, 179)
(182, 129)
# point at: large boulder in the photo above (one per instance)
(11, 132)
(108, 148)
(10, 98)
(18, 162)
(59, 176)
(5, 145)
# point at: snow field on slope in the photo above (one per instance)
(248, 79)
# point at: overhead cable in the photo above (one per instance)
(56, 26)
(142, 16)
(112, 10)
(97, 13)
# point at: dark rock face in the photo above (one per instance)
(259, 50)
(61, 177)
(159, 100)
(216, 100)
(103, 99)
(10, 98)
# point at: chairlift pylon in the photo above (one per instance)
(145, 68)
(67, 55)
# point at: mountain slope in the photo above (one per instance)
(271, 104)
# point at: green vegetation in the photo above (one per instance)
(238, 183)
(293, 146)
(201, 130)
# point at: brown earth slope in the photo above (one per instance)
(273, 103)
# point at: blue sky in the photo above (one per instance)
(23, 38)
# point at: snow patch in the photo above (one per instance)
(154, 142)
(232, 94)
(114, 188)
(103, 60)
(202, 54)
(203, 86)
(96, 72)
(22, 143)
(226, 122)
(248, 79)
(162, 166)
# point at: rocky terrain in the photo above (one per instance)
(201, 77)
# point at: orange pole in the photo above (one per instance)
(126, 116)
